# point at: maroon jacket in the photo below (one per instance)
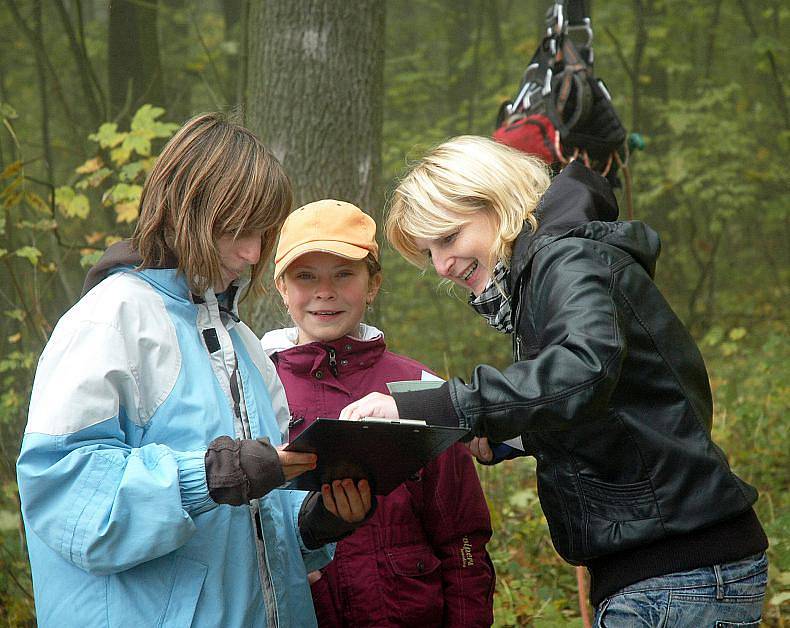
(421, 559)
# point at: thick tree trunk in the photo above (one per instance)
(314, 96)
(135, 72)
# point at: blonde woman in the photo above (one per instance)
(151, 451)
(607, 389)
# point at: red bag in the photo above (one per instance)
(533, 134)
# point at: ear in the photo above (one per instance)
(282, 288)
(374, 283)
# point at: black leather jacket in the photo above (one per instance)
(608, 390)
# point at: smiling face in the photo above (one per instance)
(464, 255)
(326, 295)
(236, 254)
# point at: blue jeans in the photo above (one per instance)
(710, 597)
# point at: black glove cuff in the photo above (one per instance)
(318, 526)
(242, 469)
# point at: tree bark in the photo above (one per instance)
(315, 95)
(135, 72)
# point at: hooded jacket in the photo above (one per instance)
(421, 559)
(130, 389)
(610, 393)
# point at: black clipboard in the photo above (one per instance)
(384, 452)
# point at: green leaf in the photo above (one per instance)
(145, 117)
(94, 180)
(108, 135)
(45, 224)
(122, 192)
(89, 259)
(17, 315)
(138, 143)
(7, 111)
(121, 154)
(71, 204)
(131, 171)
(30, 253)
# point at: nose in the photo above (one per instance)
(250, 249)
(441, 263)
(325, 289)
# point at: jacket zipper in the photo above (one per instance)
(333, 361)
(267, 586)
(526, 440)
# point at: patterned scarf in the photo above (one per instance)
(494, 302)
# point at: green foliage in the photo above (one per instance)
(711, 180)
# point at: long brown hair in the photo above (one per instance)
(212, 178)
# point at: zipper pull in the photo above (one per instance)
(333, 361)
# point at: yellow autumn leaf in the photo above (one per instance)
(37, 203)
(126, 212)
(92, 165)
(10, 170)
(15, 338)
(93, 238)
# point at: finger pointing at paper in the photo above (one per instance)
(373, 405)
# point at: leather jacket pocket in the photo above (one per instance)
(415, 591)
(619, 516)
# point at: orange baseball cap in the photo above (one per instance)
(329, 226)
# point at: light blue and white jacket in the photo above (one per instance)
(130, 389)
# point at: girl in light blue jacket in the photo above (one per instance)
(150, 463)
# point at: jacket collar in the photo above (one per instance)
(576, 196)
(121, 256)
(285, 338)
(350, 353)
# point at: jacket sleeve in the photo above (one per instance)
(101, 503)
(457, 523)
(581, 349)
(313, 558)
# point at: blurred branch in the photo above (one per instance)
(40, 51)
(90, 84)
(781, 100)
(714, 27)
(212, 65)
(10, 573)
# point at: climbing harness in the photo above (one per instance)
(562, 111)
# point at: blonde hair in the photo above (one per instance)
(212, 178)
(458, 178)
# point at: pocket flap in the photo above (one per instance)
(413, 561)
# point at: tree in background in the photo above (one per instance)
(314, 96)
(705, 83)
(134, 70)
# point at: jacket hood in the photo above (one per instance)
(119, 254)
(580, 203)
(165, 275)
(282, 339)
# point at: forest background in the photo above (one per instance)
(347, 93)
